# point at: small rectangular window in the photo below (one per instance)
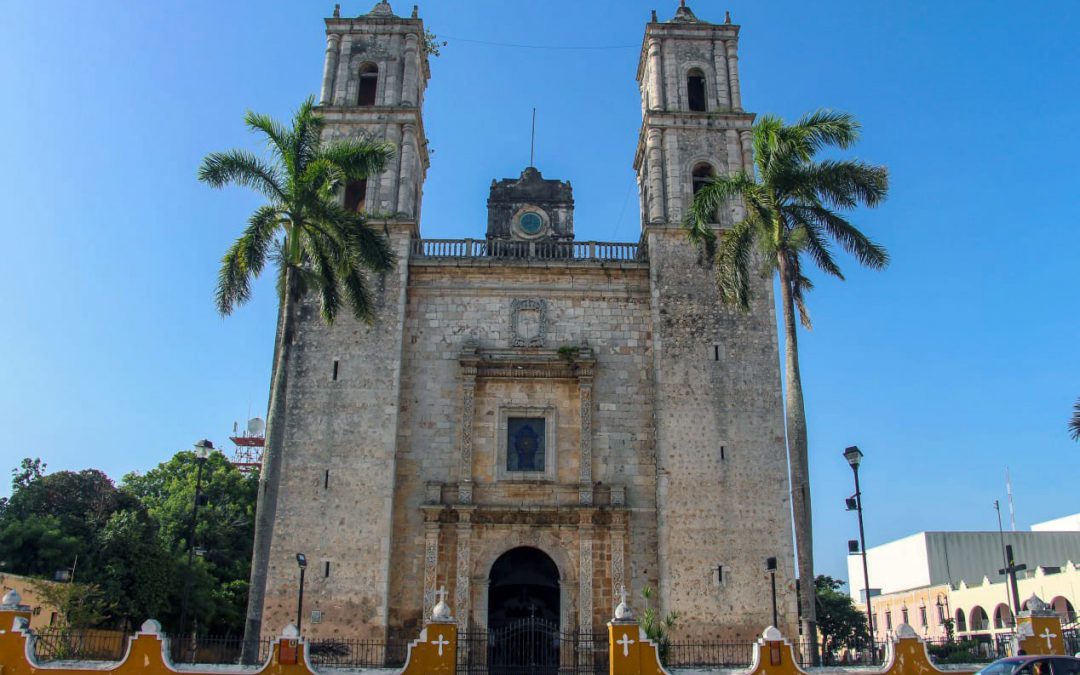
(721, 452)
(326, 480)
(888, 620)
(716, 352)
(335, 371)
(719, 574)
(326, 569)
(922, 616)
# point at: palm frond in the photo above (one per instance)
(257, 238)
(307, 134)
(817, 247)
(844, 184)
(733, 259)
(277, 136)
(219, 169)
(366, 246)
(234, 282)
(359, 297)
(823, 128)
(358, 158)
(325, 268)
(706, 204)
(853, 241)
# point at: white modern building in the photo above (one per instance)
(929, 578)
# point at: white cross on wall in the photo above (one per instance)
(1047, 634)
(440, 642)
(625, 642)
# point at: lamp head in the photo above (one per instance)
(853, 456)
(203, 449)
(301, 560)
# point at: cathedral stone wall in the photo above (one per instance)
(723, 495)
(664, 461)
(604, 307)
(337, 486)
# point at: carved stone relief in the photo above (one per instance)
(528, 322)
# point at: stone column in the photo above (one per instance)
(674, 176)
(723, 99)
(468, 410)
(585, 391)
(655, 160)
(410, 89)
(656, 90)
(333, 46)
(388, 184)
(431, 562)
(747, 150)
(585, 571)
(407, 182)
(341, 82)
(391, 94)
(735, 163)
(618, 552)
(462, 588)
(733, 74)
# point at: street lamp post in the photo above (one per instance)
(301, 560)
(854, 457)
(203, 449)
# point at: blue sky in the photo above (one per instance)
(958, 360)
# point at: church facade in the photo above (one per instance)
(533, 422)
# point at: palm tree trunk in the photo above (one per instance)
(798, 461)
(270, 478)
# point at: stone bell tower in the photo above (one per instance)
(722, 487)
(374, 77)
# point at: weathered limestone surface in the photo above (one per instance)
(663, 416)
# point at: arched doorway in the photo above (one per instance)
(523, 613)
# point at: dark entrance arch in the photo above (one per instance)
(523, 584)
(523, 613)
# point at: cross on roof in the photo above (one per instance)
(441, 594)
(622, 594)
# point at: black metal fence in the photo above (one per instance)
(970, 650)
(79, 645)
(212, 649)
(532, 647)
(352, 653)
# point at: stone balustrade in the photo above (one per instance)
(598, 251)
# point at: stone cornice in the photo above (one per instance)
(528, 362)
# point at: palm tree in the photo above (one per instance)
(792, 206)
(317, 247)
(1074, 422)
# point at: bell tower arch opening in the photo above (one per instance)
(523, 584)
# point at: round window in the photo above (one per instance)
(530, 222)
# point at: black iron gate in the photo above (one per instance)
(532, 646)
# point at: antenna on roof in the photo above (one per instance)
(532, 139)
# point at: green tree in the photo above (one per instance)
(77, 605)
(1074, 422)
(793, 207)
(317, 246)
(223, 534)
(840, 625)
